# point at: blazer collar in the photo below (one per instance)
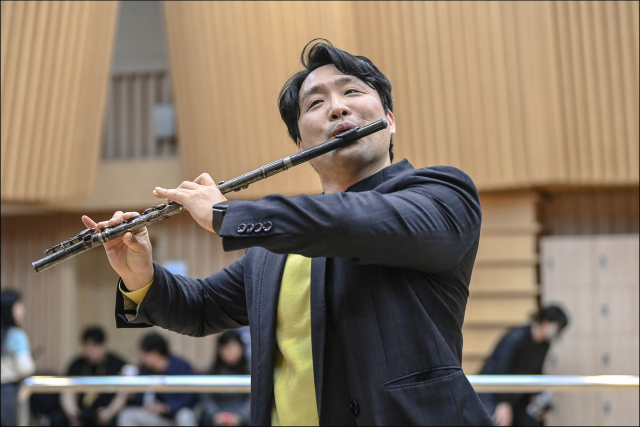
(384, 175)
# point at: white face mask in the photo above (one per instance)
(551, 331)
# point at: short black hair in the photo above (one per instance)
(95, 334)
(155, 342)
(318, 53)
(552, 313)
(228, 336)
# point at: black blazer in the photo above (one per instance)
(392, 260)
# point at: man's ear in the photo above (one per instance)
(299, 144)
(392, 122)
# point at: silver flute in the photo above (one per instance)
(92, 238)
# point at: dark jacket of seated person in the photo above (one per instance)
(96, 360)
(521, 352)
(228, 408)
(156, 360)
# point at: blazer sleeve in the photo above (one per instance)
(428, 222)
(195, 307)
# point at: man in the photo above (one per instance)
(521, 352)
(165, 409)
(96, 360)
(355, 297)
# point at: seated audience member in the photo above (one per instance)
(161, 409)
(93, 408)
(17, 363)
(228, 409)
(521, 352)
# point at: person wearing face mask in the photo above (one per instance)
(355, 297)
(228, 409)
(521, 352)
(17, 363)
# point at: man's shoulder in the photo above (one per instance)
(441, 172)
(75, 367)
(449, 176)
(116, 360)
(179, 364)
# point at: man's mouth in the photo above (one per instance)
(342, 127)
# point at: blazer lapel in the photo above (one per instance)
(267, 315)
(318, 322)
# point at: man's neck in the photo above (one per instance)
(338, 181)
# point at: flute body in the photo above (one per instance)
(91, 238)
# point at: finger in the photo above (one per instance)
(178, 196)
(205, 179)
(128, 215)
(88, 222)
(116, 219)
(134, 243)
(188, 184)
(101, 225)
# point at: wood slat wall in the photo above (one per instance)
(515, 93)
(55, 68)
(228, 63)
(63, 300)
(503, 291)
(590, 211)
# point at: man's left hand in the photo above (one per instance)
(158, 408)
(198, 197)
(104, 415)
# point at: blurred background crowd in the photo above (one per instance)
(536, 101)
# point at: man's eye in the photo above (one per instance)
(351, 90)
(314, 103)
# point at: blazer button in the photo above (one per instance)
(241, 228)
(258, 228)
(354, 407)
(249, 228)
(267, 226)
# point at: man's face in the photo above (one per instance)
(94, 352)
(154, 361)
(332, 102)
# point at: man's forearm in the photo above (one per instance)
(68, 403)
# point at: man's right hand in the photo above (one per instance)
(129, 255)
(503, 415)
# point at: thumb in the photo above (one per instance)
(134, 243)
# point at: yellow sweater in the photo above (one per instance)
(294, 386)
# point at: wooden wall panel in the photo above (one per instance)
(55, 67)
(63, 300)
(514, 93)
(503, 289)
(229, 61)
(590, 211)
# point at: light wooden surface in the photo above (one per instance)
(595, 278)
(503, 289)
(55, 69)
(515, 93)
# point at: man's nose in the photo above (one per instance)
(338, 109)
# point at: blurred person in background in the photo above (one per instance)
(228, 409)
(521, 352)
(355, 297)
(93, 408)
(17, 363)
(162, 409)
